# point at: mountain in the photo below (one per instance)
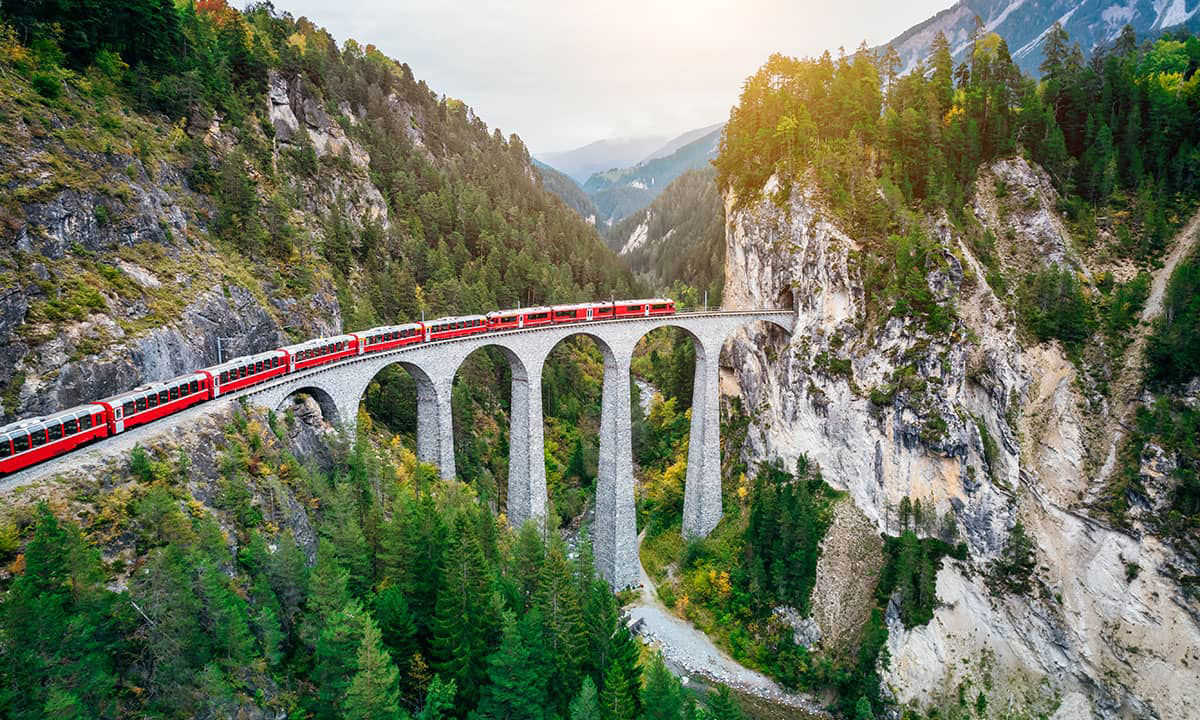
(581, 162)
(679, 238)
(683, 139)
(620, 192)
(567, 190)
(1025, 23)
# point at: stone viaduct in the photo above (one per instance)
(339, 387)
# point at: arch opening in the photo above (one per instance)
(481, 405)
(572, 389)
(663, 376)
(298, 404)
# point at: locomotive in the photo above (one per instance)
(30, 441)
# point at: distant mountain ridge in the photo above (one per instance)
(580, 163)
(567, 190)
(1025, 23)
(618, 192)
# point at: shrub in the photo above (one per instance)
(47, 84)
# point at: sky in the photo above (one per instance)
(563, 73)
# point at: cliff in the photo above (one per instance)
(979, 422)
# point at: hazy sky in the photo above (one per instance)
(561, 74)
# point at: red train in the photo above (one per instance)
(28, 442)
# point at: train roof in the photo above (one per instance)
(455, 318)
(581, 306)
(517, 311)
(154, 387)
(643, 301)
(243, 360)
(389, 328)
(42, 420)
(318, 342)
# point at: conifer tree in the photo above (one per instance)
(466, 614)
(335, 659)
(662, 695)
(439, 700)
(616, 698)
(565, 635)
(373, 694)
(586, 705)
(723, 706)
(328, 592)
(341, 527)
(396, 626)
(528, 557)
(516, 673)
(288, 573)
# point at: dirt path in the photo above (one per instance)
(1128, 383)
(690, 652)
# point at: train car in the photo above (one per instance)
(581, 312)
(519, 318)
(390, 337)
(150, 402)
(322, 351)
(31, 441)
(242, 372)
(452, 327)
(643, 308)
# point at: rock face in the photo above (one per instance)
(978, 427)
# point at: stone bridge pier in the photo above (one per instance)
(339, 387)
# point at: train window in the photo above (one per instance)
(21, 443)
(71, 426)
(85, 422)
(244, 372)
(164, 396)
(224, 376)
(152, 400)
(54, 432)
(5, 447)
(660, 307)
(184, 391)
(128, 408)
(38, 437)
(140, 404)
(258, 366)
(195, 386)
(173, 393)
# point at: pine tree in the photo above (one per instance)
(396, 626)
(439, 700)
(528, 557)
(466, 615)
(341, 527)
(517, 674)
(328, 593)
(616, 698)
(565, 635)
(1013, 571)
(723, 706)
(586, 705)
(288, 572)
(862, 710)
(373, 693)
(335, 659)
(662, 695)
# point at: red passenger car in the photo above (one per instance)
(31, 441)
(390, 337)
(150, 402)
(321, 351)
(242, 372)
(519, 318)
(644, 308)
(582, 312)
(452, 327)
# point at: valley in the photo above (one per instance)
(949, 470)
